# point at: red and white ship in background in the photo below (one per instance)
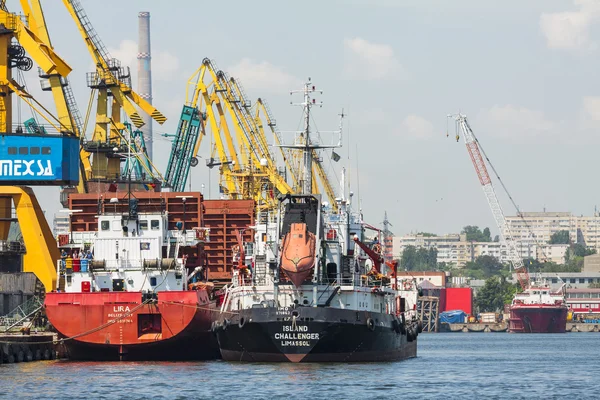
(135, 299)
(536, 309)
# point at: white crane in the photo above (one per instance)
(473, 147)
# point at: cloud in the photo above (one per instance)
(370, 61)
(126, 52)
(589, 118)
(571, 29)
(513, 121)
(164, 64)
(264, 76)
(591, 107)
(417, 127)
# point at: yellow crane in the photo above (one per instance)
(113, 85)
(192, 128)
(64, 100)
(260, 178)
(292, 158)
(41, 250)
(13, 55)
(288, 156)
(246, 166)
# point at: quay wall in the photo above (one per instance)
(27, 348)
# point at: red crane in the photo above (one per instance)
(473, 147)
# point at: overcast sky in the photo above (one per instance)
(522, 71)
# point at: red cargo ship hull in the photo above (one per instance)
(538, 319)
(174, 325)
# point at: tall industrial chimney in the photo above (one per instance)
(145, 74)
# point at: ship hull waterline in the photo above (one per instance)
(538, 319)
(113, 326)
(319, 334)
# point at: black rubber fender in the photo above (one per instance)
(225, 323)
(419, 326)
(370, 324)
(410, 334)
(396, 326)
(242, 322)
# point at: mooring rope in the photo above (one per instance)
(117, 319)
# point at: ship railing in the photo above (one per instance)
(69, 265)
(83, 237)
(360, 281)
(189, 238)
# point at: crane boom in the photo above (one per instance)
(109, 71)
(488, 189)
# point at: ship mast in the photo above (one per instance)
(303, 141)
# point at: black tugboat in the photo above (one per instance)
(313, 290)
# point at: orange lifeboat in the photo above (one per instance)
(298, 255)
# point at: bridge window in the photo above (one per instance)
(581, 280)
(12, 151)
(154, 225)
(45, 150)
(23, 151)
(34, 151)
(144, 225)
(105, 225)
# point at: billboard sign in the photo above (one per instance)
(29, 159)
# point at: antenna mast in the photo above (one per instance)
(303, 139)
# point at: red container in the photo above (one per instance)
(76, 265)
(225, 218)
(85, 287)
(459, 299)
(442, 305)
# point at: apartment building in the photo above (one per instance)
(451, 248)
(60, 223)
(590, 274)
(531, 229)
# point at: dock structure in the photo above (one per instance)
(25, 348)
(475, 327)
(503, 327)
(583, 327)
(428, 311)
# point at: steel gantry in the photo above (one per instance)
(287, 155)
(217, 103)
(112, 82)
(64, 99)
(192, 127)
(13, 55)
(18, 41)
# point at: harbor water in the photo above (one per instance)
(465, 365)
